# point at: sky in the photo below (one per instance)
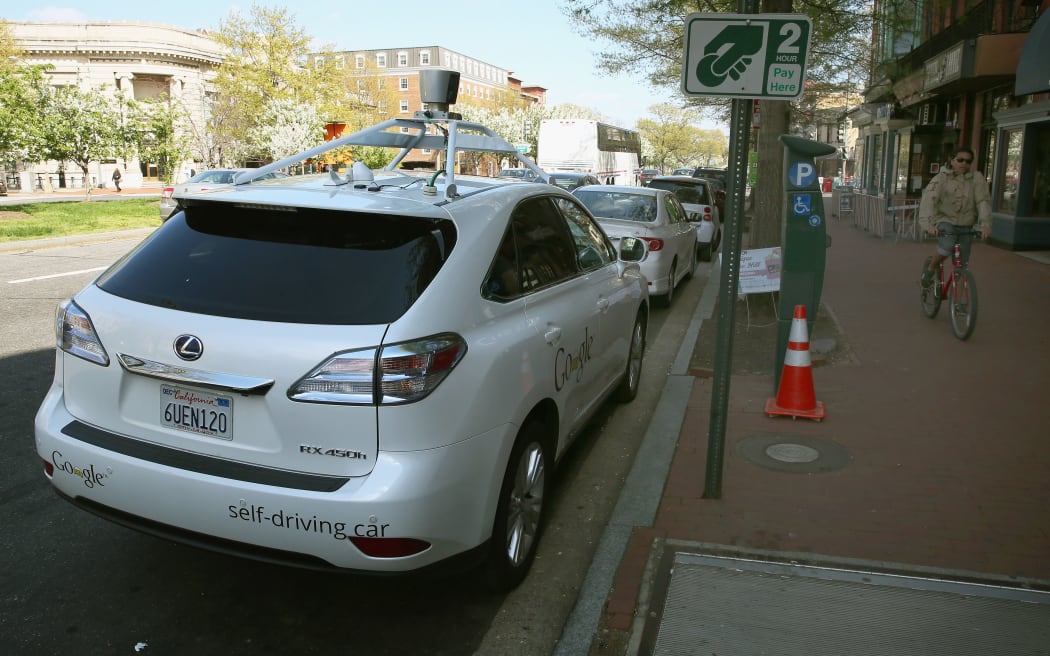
(532, 39)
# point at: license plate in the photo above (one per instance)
(196, 411)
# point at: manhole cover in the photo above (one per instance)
(793, 453)
(787, 452)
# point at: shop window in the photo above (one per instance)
(1040, 202)
(1009, 181)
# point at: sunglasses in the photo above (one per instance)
(963, 160)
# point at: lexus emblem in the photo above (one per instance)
(189, 347)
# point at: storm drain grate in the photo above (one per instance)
(730, 606)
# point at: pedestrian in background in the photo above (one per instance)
(956, 199)
(116, 178)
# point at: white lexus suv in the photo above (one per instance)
(373, 372)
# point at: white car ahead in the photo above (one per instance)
(698, 199)
(657, 217)
(375, 372)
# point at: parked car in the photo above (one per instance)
(518, 174)
(203, 181)
(686, 171)
(648, 174)
(697, 196)
(721, 177)
(570, 180)
(654, 215)
(377, 371)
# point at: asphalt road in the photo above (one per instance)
(73, 583)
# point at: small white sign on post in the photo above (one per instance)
(760, 270)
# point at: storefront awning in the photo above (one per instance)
(1033, 71)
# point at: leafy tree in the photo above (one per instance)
(81, 127)
(267, 60)
(156, 129)
(646, 38)
(670, 140)
(23, 91)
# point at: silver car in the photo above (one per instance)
(657, 217)
(203, 181)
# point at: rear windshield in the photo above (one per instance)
(311, 266)
(687, 193)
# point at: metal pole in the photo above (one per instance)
(739, 140)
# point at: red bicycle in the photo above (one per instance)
(960, 288)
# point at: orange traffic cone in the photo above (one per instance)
(795, 396)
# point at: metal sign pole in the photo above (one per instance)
(739, 142)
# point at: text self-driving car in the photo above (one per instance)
(375, 372)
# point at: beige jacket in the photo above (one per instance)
(959, 199)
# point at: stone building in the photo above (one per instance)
(138, 60)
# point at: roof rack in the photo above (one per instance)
(453, 135)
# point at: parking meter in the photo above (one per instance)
(803, 239)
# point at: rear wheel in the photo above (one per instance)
(704, 251)
(669, 296)
(962, 304)
(519, 511)
(632, 375)
(931, 300)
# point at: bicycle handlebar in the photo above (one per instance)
(973, 232)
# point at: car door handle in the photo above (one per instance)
(553, 334)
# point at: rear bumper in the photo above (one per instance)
(444, 496)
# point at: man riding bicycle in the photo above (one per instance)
(955, 200)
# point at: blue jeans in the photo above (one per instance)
(946, 244)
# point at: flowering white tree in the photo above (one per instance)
(81, 127)
(288, 127)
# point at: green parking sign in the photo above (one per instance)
(745, 55)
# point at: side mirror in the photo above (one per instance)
(633, 249)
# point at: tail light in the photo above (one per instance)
(168, 191)
(654, 244)
(385, 375)
(75, 334)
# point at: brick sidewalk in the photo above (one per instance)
(934, 452)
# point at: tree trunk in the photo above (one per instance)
(767, 212)
(767, 208)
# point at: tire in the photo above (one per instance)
(520, 510)
(692, 263)
(931, 300)
(632, 374)
(669, 296)
(962, 304)
(705, 252)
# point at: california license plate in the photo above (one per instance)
(196, 411)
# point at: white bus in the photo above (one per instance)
(575, 144)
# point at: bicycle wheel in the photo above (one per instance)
(962, 303)
(931, 300)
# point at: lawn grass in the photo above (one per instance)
(61, 219)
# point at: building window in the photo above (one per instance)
(424, 58)
(404, 106)
(381, 60)
(359, 61)
(340, 63)
(402, 83)
(381, 107)
(381, 83)
(318, 62)
(427, 151)
(402, 59)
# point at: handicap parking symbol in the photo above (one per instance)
(802, 204)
